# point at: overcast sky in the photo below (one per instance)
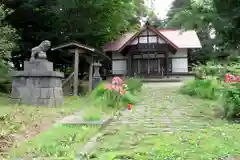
(160, 6)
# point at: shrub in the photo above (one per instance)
(216, 69)
(206, 88)
(5, 79)
(231, 100)
(133, 85)
(98, 91)
(115, 100)
(114, 97)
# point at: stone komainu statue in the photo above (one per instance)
(39, 52)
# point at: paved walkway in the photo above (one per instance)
(156, 114)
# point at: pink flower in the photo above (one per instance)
(116, 85)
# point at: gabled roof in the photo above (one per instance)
(75, 44)
(186, 39)
(118, 43)
(176, 38)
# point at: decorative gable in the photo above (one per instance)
(147, 36)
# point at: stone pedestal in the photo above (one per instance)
(96, 75)
(38, 84)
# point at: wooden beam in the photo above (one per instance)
(90, 60)
(76, 64)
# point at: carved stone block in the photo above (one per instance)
(38, 84)
(38, 65)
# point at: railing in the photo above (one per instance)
(68, 78)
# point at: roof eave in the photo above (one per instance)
(79, 45)
(73, 44)
(190, 47)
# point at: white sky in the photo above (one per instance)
(160, 7)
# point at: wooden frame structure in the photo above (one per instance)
(151, 57)
(152, 52)
(89, 53)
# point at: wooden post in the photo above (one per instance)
(76, 63)
(148, 68)
(129, 65)
(167, 64)
(139, 71)
(90, 74)
(159, 65)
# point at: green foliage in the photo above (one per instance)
(216, 69)
(231, 100)
(216, 23)
(8, 37)
(110, 98)
(52, 145)
(95, 22)
(98, 91)
(212, 88)
(101, 21)
(133, 85)
(14, 119)
(5, 79)
(206, 88)
(92, 113)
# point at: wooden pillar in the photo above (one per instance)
(129, 65)
(90, 74)
(148, 66)
(159, 65)
(138, 62)
(76, 63)
(167, 64)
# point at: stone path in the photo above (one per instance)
(156, 114)
(147, 117)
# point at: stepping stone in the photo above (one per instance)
(72, 119)
(78, 120)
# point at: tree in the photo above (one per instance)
(93, 22)
(177, 6)
(228, 13)
(8, 36)
(34, 22)
(222, 16)
(155, 21)
(200, 16)
(7, 45)
(97, 22)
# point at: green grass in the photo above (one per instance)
(95, 113)
(21, 122)
(209, 138)
(92, 113)
(27, 131)
(59, 142)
